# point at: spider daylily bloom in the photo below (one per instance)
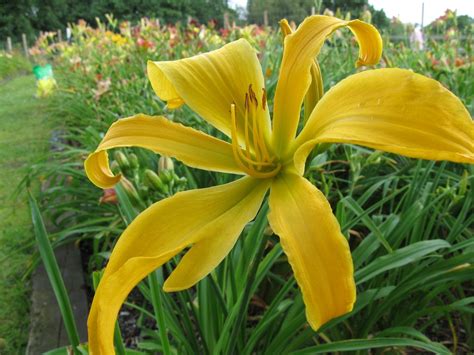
(389, 109)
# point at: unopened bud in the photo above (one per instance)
(122, 160)
(165, 163)
(130, 190)
(166, 176)
(154, 181)
(132, 158)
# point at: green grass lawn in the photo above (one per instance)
(24, 134)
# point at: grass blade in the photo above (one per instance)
(54, 275)
(364, 344)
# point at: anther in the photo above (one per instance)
(252, 166)
(264, 99)
(252, 95)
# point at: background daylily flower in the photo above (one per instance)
(393, 110)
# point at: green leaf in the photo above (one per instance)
(399, 258)
(54, 274)
(365, 344)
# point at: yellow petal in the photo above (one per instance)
(317, 251)
(210, 83)
(316, 89)
(295, 77)
(206, 254)
(162, 231)
(394, 110)
(162, 136)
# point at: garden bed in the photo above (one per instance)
(407, 221)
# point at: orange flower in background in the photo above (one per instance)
(109, 196)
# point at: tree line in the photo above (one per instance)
(297, 10)
(33, 16)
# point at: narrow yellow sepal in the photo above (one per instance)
(300, 49)
(162, 136)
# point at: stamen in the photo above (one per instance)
(253, 162)
(255, 158)
(246, 118)
(264, 99)
(256, 143)
(259, 132)
(235, 142)
(253, 97)
(255, 134)
(263, 146)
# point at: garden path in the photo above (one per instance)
(24, 133)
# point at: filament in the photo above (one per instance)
(255, 159)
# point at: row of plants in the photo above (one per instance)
(408, 221)
(13, 64)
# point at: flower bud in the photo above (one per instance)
(122, 160)
(166, 176)
(154, 181)
(132, 158)
(130, 190)
(165, 163)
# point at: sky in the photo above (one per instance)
(410, 10)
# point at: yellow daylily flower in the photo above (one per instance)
(394, 110)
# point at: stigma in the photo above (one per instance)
(251, 151)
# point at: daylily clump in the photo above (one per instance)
(390, 109)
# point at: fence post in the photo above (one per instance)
(265, 18)
(9, 44)
(226, 20)
(313, 10)
(25, 44)
(60, 36)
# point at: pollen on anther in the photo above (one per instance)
(264, 99)
(252, 96)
